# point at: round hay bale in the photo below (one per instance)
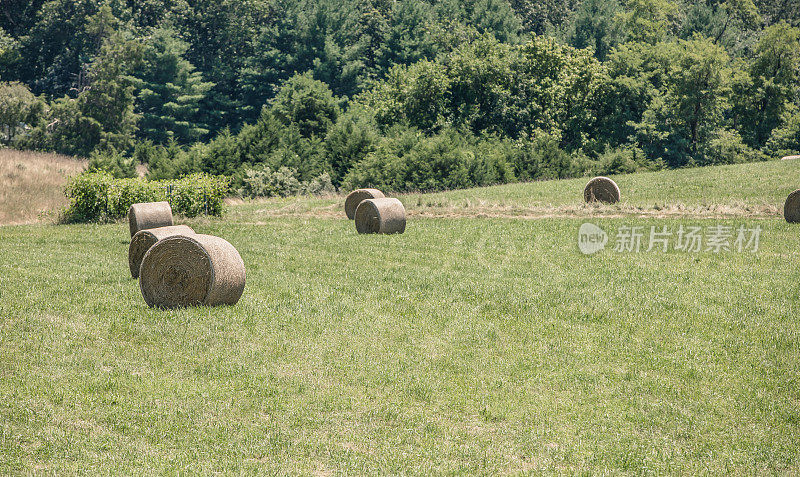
(602, 189)
(144, 239)
(149, 215)
(380, 216)
(186, 270)
(354, 198)
(791, 208)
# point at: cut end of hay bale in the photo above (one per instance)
(144, 239)
(380, 216)
(149, 215)
(182, 271)
(791, 208)
(354, 198)
(602, 189)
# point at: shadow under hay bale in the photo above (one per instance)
(791, 208)
(144, 239)
(149, 215)
(602, 189)
(380, 216)
(354, 198)
(182, 271)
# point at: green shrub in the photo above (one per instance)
(624, 160)
(113, 162)
(727, 147)
(409, 161)
(262, 181)
(542, 158)
(98, 196)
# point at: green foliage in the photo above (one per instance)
(494, 88)
(169, 91)
(102, 115)
(785, 139)
(347, 143)
(541, 158)
(112, 162)
(307, 104)
(727, 147)
(407, 161)
(543, 16)
(673, 96)
(623, 160)
(495, 17)
(262, 181)
(9, 53)
(773, 84)
(595, 25)
(19, 110)
(649, 21)
(322, 86)
(98, 196)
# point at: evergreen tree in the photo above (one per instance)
(169, 91)
(773, 84)
(102, 115)
(595, 26)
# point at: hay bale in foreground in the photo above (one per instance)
(791, 208)
(602, 189)
(380, 216)
(144, 239)
(191, 270)
(354, 198)
(149, 215)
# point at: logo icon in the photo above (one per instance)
(591, 238)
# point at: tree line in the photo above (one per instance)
(288, 95)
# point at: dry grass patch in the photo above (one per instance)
(32, 184)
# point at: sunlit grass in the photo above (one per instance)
(463, 345)
(32, 185)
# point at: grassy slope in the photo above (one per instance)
(753, 190)
(31, 184)
(465, 344)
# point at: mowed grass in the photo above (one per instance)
(741, 190)
(32, 185)
(462, 346)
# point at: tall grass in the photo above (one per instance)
(32, 184)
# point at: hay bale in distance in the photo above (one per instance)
(149, 215)
(791, 208)
(354, 198)
(602, 189)
(186, 270)
(144, 239)
(380, 216)
(790, 158)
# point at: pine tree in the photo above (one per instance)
(169, 91)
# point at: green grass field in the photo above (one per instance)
(476, 342)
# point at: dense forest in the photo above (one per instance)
(289, 96)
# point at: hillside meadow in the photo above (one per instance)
(476, 342)
(32, 185)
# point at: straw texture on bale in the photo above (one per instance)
(381, 216)
(144, 239)
(149, 215)
(354, 198)
(602, 189)
(791, 208)
(187, 270)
